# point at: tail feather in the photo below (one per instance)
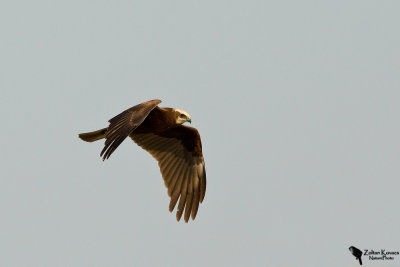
(359, 259)
(93, 136)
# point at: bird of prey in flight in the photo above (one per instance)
(176, 147)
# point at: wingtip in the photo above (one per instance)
(158, 101)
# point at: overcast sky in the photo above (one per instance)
(297, 105)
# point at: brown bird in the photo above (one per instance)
(176, 147)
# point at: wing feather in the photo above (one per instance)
(175, 176)
(178, 186)
(170, 169)
(196, 196)
(201, 172)
(182, 200)
(177, 190)
(167, 161)
(189, 198)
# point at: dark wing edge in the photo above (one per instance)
(124, 123)
(179, 155)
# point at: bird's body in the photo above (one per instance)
(356, 253)
(176, 147)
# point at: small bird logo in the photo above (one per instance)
(356, 253)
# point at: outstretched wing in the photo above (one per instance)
(124, 123)
(179, 155)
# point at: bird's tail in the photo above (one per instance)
(359, 259)
(93, 136)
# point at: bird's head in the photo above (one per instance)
(182, 116)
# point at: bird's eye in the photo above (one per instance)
(182, 116)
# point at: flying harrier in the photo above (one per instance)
(176, 147)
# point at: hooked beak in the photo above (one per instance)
(190, 121)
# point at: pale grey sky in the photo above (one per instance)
(297, 105)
